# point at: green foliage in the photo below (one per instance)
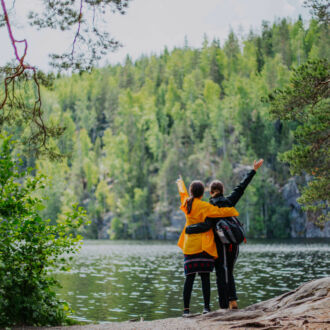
(30, 247)
(306, 101)
(132, 128)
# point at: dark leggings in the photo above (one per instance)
(225, 273)
(188, 285)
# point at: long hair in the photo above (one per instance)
(216, 185)
(196, 190)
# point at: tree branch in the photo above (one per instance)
(78, 30)
(19, 71)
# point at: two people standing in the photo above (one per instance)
(201, 245)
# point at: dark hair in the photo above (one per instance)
(196, 189)
(216, 185)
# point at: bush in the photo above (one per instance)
(30, 247)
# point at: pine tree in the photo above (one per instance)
(306, 101)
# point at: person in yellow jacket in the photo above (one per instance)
(199, 249)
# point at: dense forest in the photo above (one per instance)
(131, 129)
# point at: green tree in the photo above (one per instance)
(281, 41)
(232, 51)
(30, 248)
(267, 39)
(90, 43)
(306, 101)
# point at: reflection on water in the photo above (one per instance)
(119, 281)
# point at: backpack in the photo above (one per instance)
(230, 231)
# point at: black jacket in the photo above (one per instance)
(221, 201)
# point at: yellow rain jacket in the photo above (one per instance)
(196, 243)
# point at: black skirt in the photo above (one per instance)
(198, 263)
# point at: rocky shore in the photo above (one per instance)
(307, 307)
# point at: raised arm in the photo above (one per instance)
(239, 190)
(182, 189)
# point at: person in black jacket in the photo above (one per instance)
(228, 253)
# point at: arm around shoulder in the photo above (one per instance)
(220, 212)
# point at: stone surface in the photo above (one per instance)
(177, 220)
(290, 194)
(301, 226)
(307, 307)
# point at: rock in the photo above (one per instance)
(177, 220)
(301, 226)
(103, 232)
(314, 231)
(307, 307)
(290, 194)
(172, 233)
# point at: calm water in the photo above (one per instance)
(119, 281)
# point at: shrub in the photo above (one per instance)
(30, 247)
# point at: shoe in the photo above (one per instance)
(206, 310)
(185, 313)
(233, 304)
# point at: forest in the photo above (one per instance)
(131, 129)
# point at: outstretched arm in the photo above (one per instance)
(239, 190)
(182, 189)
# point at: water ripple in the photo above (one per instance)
(118, 281)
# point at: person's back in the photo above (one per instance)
(203, 241)
(199, 250)
(228, 253)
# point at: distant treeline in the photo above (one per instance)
(132, 129)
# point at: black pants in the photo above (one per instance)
(188, 285)
(224, 268)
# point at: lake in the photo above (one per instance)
(119, 280)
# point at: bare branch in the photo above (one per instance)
(78, 30)
(19, 71)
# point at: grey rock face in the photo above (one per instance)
(177, 220)
(314, 231)
(290, 193)
(103, 230)
(300, 224)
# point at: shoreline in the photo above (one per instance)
(308, 307)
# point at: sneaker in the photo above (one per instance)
(233, 304)
(206, 310)
(185, 313)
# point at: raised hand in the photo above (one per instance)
(257, 164)
(179, 179)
